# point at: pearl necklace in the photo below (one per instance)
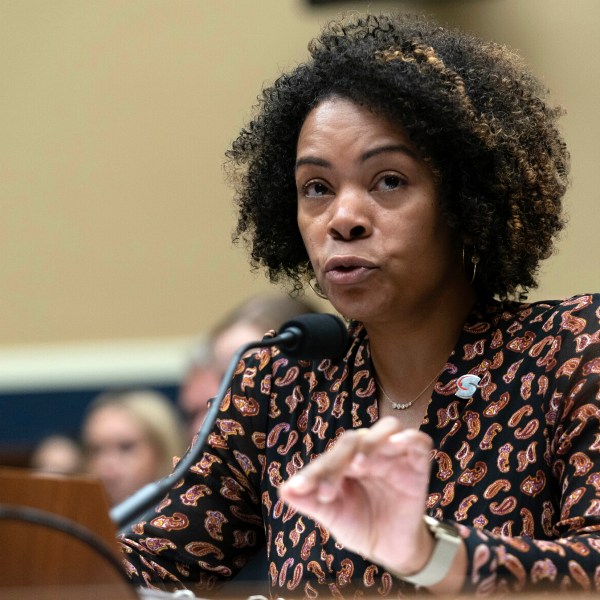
(405, 405)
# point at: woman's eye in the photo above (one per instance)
(126, 447)
(315, 189)
(389, 182)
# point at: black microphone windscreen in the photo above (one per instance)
(321, 336)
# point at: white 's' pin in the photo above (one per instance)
(467, 384)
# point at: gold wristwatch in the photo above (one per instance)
(447, 542)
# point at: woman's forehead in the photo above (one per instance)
(336, 121)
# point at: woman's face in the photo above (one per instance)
(369, 216)
(119, 452)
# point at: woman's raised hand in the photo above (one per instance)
(369, 491)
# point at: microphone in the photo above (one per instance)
(312, 336)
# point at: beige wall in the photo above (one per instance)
(114, 117)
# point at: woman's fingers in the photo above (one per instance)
(333, 465)
(378, 451)
(372, 482)
(323, 476)
(404, 451)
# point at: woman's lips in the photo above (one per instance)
(347, 270)
(348, 276)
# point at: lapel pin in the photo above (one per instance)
(467, 384)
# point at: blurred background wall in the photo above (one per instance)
(115, 218)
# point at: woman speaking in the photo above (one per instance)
(413, 175)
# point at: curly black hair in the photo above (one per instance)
(470, 106)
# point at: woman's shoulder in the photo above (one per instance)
(574, 313)
(580, 303)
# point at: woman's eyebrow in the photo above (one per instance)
(321, 162)
(312, 160)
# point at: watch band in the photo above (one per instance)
(447, 542)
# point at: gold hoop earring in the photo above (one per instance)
(316, 288)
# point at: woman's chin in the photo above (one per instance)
(354, 308)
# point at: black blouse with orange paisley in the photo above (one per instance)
(516, 466)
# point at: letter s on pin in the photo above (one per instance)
(467, 385)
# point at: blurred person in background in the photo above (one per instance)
(200, 382)
(130, 439)
(210, 358)
(57, 454)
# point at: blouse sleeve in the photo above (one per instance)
(210, 522)
(569, 558)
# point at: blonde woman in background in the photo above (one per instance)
(130, 439)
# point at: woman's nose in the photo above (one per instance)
(350, 217)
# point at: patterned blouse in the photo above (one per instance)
(516, 466)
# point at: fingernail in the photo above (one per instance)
(397, 437)
(326, 492)
(298, 483)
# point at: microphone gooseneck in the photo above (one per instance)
(312, 336)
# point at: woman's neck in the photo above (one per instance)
(409, 352)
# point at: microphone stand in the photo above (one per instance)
(128, 511)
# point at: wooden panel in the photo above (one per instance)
(35, 555)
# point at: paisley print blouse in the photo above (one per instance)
(516, 466)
